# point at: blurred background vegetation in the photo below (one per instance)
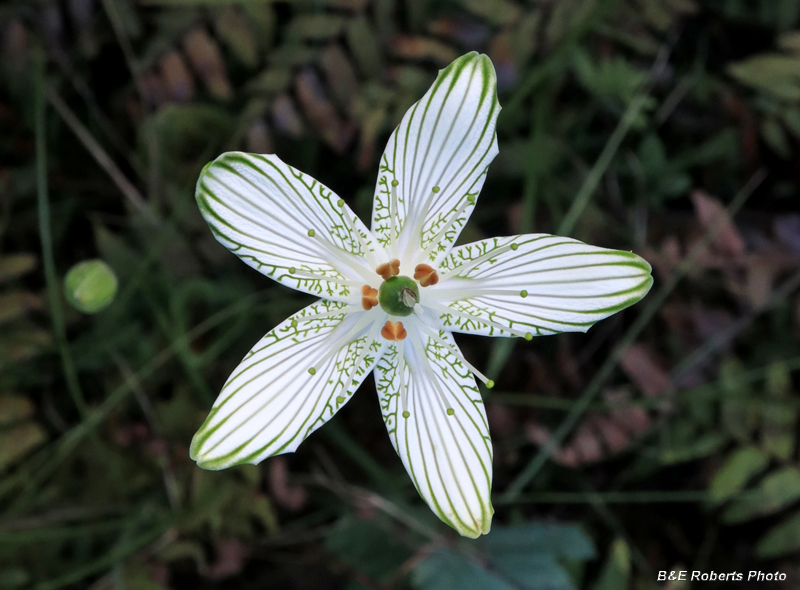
(664, 439)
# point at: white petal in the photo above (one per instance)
(569, 285)
(449, 458)
(271, 402)
(445, 140)
(262, 210)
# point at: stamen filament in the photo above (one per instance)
(401, 368)
(478, 320)
(455, 352)
(445, 228)
(352, 225)
(466, 293)
(310, 275)
(341, 255)
(392, 214)
(335, 347)
(321, 316)
(360, 358)
(469, 265)
(435, 380)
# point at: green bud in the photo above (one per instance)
(398, 296)
(90, 286)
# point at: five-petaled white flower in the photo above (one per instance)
(391, 296)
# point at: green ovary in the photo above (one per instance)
(398, 295)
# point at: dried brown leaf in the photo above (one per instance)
(643, 367)
(205, 57)
(712, 216)
(178, 82)
(422, 48)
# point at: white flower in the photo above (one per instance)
(392, 295)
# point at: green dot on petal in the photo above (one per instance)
(471, 198)
(294, 323)
(406, 414)
(340, 202)
(436, 189)
(292, 270)
(312, 371)
(395, 183)
(339, 399)
(523, 293)
(90, 286)
(311, 233)
(450, 411)
(514, 246)
(528, 336)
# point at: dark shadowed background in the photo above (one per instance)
(663, 439)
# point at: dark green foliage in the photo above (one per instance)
(666, 436)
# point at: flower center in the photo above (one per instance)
(398, 296)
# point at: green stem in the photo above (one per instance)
(46, 238)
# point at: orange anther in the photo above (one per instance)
(425, 275)
(394, 331)
(369, 297)
(389, 269)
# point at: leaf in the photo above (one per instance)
(740, 466)
(497, 12)
(18, 441)
(14, 408)
(617, 569)
(447, 570)
(206, 59)
(561, 540)
(369, 546)
(316, 26)
(364, 46)
(321, 112)
(774, 74)
(423, 48)
(780, 539)
(13, 266)
(233, 29)
(16, 304)
(777, 490)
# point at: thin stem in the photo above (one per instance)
(46, 239)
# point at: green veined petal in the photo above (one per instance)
(285, 224)
(441, 435)
(436, 161)
(292, 382)
(535, 285)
